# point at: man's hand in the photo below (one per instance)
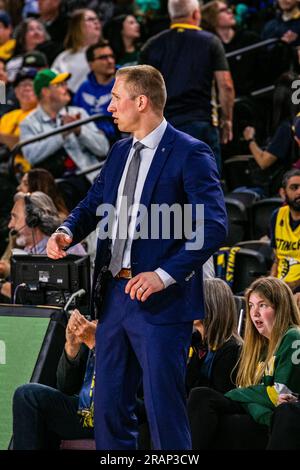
(6, 289)
(143, 285)
(57, 244)
(289, 37)
(4, 268)
(79, 330)
(249, 133)
(226, 132)
(67, 119)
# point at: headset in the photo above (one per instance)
(33, 215)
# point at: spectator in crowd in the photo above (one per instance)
(285, 232)
(286, 25)
(63, 153)
(10, 98)
(35, 59)
(215, 341)
(190, 60)
(246, 69)
(123, 33)
(281, 152)
(10, 122)
(34, 217)
(7, 44)
(267, 371)
(94, 94)
(43, 415)
(55, 20)
(29, 34)
(37, 179)
(84, 30)
(218, 18)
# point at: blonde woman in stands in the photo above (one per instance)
(84, 30)
(267, 374)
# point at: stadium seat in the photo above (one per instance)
(237, 220)
(249, 265)
(263, 247)
(261, 215)
(237, 171)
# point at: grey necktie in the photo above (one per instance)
(128, 192)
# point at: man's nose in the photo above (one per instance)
(110, 107)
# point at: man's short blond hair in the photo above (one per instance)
(146, 80)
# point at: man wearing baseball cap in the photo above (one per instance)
(63, 153)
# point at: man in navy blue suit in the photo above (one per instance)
(155, 291)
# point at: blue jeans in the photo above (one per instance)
(206, 132)
(42, 416)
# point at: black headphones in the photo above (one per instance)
(33, 216)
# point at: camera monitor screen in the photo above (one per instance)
(39, 280)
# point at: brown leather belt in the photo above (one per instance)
(124, 274)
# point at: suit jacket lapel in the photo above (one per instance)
(158, 162)
(115, 173)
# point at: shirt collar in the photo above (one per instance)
(152, 140)
(39, 248)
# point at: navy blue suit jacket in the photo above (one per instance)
(183, 171)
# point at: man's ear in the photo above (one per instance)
(282, 193)
(143, 102)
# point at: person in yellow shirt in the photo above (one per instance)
(285, 232)
(7, 44)
(9, 123)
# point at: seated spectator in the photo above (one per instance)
(29, 34)
(63, 153)
(84, 30)
(266, 368)
(285, 232)
(246, 69)
(215, 343)
(271, 163)
(34, 218)
(36, 179)
(218, 18)
(10, 98)
(123, 34)
(42, 415)
(10, 122)
(53, 17)
(94, 94)
(35, 59)
(7, 44)
(286, 25)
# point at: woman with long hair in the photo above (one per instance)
(84, 30)
(123, 34)
(29, 34)
(216, 343)
(39, 179)
(268, 374)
